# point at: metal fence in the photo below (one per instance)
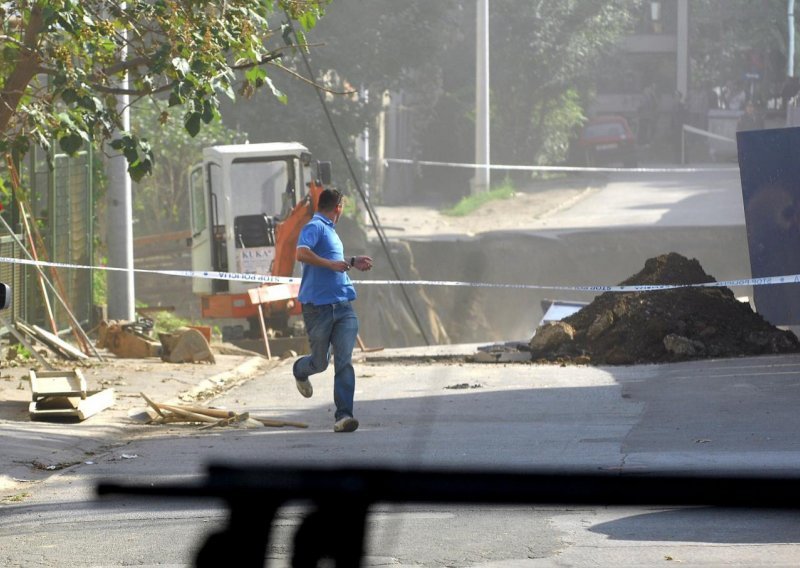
(13, 275)
(59, 199)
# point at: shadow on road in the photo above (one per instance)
(707, 525)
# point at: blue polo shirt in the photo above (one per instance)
(320, 285)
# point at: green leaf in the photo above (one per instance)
(208, 111)
(254, 74)
(308, 20)
(22, 144)
(69, 96)
(228, 90)
(192, 123)
(66, 120)
(181, 65)
(71, 143)
(175, 99)
(286, 33)
(90, 103)
(131, 154)
(301, 38)
(138, 170)
(280, 95)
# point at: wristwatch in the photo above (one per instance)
(352, 261)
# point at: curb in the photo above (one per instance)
(222, 382)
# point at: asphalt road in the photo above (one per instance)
(726, 416)
(711, 416)
(698, 199)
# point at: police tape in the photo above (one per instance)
(267, 279)
(516, 167)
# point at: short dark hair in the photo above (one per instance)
(329, 199)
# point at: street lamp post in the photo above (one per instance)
(682, 79)
(790, 29)
(481, 181)
(121, 296)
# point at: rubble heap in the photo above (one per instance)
(662, 325)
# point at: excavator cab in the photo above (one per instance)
(248, 204)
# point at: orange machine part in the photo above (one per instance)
(227, 306)
(239, 306)
(288, 231)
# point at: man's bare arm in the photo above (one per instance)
(307, 256)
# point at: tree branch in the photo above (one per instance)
(126, 65)
(13, 40)
(310, 82)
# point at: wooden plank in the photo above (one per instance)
(59, 343)
(273, 292)
(187, 415)
(95, 403)
(212, 416)
(364, 348)
(57, 383)
(213, 412)
(152, 405)
(21, 338)
(61, 407)
(263, 329)
(29, 331)
(58, 407)
(279, 423)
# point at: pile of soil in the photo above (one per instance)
(622, 328)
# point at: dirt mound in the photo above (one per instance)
(622, 328)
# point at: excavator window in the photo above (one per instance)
(259, 185)
(254, 231)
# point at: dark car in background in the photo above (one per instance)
(608, 140)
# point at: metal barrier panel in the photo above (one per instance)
(61, 204)
(13, 274)
(769, 165)
(71, 235)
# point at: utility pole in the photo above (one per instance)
(120, 221)
(790, 55)
(682, 79)
(482, 179)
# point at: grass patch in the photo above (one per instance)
(18, 351)
(472, 203)
(18, 498)
(167, 322)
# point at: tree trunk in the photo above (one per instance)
(24, 71)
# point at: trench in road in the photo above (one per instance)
(587, 257)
